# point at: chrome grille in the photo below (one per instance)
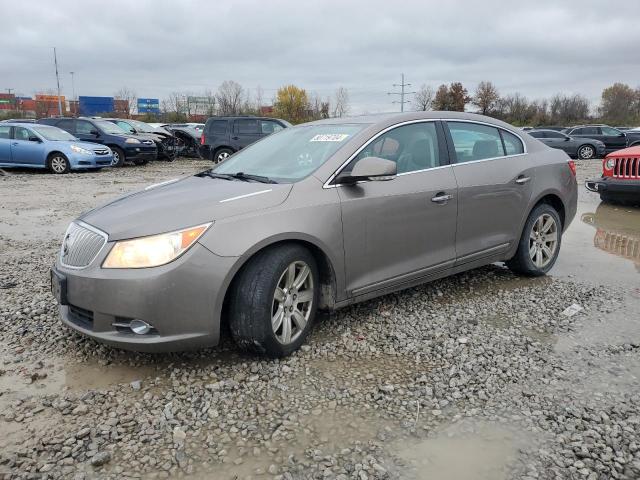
(101, 151)
(627, 168)
(80, 246)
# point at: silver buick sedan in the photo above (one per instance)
(317, 216)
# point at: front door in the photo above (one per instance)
(401, 229)
(25, 151)
(613, 137)
(494, 186)
(87, 132)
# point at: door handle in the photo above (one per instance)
(521, 180)
(441, 198)
(15, 144)
(235, 138)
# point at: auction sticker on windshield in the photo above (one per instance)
(329, 137)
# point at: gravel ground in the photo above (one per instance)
(478, 376)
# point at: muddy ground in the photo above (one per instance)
(479, 376)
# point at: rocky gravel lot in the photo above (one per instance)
(478, 376)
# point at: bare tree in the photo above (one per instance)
(423, 98)
(128, 95)
(211, 103)
(229, 98)
(341, 107)
(486, 97)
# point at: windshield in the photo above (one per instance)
(53, 133)
(141, 126)
(291, 154)
(108, 127)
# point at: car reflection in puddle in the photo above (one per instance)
(617, 231)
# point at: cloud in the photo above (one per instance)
(156, 47)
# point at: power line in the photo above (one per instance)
(402, 93)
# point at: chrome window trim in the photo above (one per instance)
(88, 227)
(327, 184)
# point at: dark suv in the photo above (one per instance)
(223, 136)
(612, 138)
(125, 147)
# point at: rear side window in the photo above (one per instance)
(246, 127)
(473, 141)
(512, 144)
(4, 132)
(218, 127)
(538, 134)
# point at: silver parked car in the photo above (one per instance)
(317, 216)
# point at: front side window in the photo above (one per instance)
(21, 133)
(83, 127)
(269, 126)
(512, 144)
(291, 154)
(587, 131)
(473, 141)
(412, 147)
(612, 132)
(246, 127)
(125, 126)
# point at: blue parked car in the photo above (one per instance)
(43, 146)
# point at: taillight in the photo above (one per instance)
(202, 139)
(572, 167)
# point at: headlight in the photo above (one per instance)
(610, 163)
(132, 140)
(83, 151)
(154, 250)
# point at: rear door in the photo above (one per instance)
(494, 186)
(217, 133)
(25, 149)
(245, 132)
(398, 230)
(5, 144)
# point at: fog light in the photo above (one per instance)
(139, 327)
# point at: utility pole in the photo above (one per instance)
(73, 92)
(9, 90)
(402, 93)
(55, 61)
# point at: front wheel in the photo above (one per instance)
(118, 157)
(58, 163)
(586, 152)
(222, 154)
(540, 243)
(274, 300)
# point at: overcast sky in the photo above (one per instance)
(155, 47)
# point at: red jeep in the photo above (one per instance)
(620, 181)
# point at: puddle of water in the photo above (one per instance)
(464, 451)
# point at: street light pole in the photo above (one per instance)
(55, 61)
(73, 93)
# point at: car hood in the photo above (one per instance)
(182, 203)
(88, 145)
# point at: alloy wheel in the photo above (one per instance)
(586, 152)
(222, 156)
(116, 158)
(292, 302)
(543, 240)
(59, 164)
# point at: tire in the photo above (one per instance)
(139, 161)
(118, 157)
(221, 154)
(530, 259)
(258, 319)
(586, 152)
(58, 164)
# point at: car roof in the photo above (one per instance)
(544, 130)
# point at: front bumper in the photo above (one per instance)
(138, 152)
(614, 186)
(181, 300)
(78, 161)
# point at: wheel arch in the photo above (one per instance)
(52, 153)
(326, 270)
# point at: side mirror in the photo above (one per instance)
(95, 132)
(35, 139)
(622, 134)
(566, 139)
(370, 168)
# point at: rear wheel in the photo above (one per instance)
(274, 300)
(57, 163)
(118, 157)
(540, 243)
(586, 152)
(222, 154)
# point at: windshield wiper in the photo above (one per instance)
(249, 176)
(210, 174)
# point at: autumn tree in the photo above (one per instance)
(486, 97)
(341, 105)
(423, 99)
(292, 104)
(441, 98)
(229, 98)
(619, 104)
(454, 97)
